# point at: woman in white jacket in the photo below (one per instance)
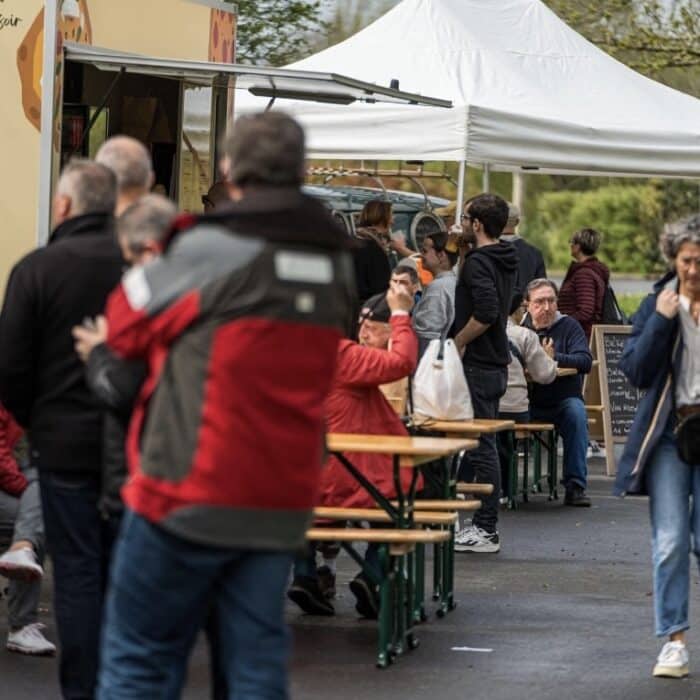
(527, 355)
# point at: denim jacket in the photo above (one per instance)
(652, 351)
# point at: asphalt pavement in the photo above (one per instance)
(563, 611)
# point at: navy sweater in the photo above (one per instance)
(570, 350)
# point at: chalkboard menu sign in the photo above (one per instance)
(623, 398)
(611, 401)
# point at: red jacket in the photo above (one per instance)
(12, 480)
(357, 405)
(241, 334)
(582, 291)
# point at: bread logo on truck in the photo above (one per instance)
(30, 56)
(222, 36)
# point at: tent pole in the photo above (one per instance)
(518, 196)
(460, 190)
(486, 178)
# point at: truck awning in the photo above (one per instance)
(261, 81)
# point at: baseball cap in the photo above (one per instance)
(376, 309)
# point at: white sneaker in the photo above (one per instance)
(474, 539)
(30, 640)
(672, 661)
(21, 564)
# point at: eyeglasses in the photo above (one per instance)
(466, 217)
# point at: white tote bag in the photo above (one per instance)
(440, 390)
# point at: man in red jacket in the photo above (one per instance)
(387, 351)
(239, 320)
(22, 526)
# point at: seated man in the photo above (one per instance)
(529, 358)
(434, 313)
(561, 403)
(21, 527)
(386, 352)
(405, 274)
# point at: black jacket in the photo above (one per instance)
(485, 291)
(42, 380)
(116, 383)
(372, 269)
(530, 266)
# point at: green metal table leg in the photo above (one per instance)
(537, 458)
(526, 460)
(386, 620)
(513, 473)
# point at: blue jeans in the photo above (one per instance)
(671, 483)
(486, 387)
(161, 590)
(20, 519)
(569, 417)
(79, 544)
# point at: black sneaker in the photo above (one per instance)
(576, 496)
(326, 581)
(306, 593)
(367, 596)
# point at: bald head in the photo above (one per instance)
(130, 161)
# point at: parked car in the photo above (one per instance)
(413, 212)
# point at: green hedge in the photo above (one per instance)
(630, 219)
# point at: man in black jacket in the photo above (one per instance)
(42, 383)
(141, 230)
(483, 299)
(530, 260)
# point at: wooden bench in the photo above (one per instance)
(543, 434)
(444, 515)
(377, 515)
(396, 588)
(474, 489)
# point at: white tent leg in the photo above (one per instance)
(460, 190)
(518, 196)
(486, 178)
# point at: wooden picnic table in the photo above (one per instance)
(465, 428)
(406, 451)
(399, 595)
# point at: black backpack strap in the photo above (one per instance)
(515, 351)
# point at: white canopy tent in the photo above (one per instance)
(529, 93)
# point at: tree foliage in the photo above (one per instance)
(651, 36)
(277, 32)
(629, 217)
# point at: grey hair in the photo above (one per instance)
(91, 187)
(540, 282)
(588, 240)
(513, 215)
(676, 234)
(146, 220)
(266, 149)
(129, 160)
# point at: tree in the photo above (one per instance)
(277, 32)
(651, 36)
(630, 218)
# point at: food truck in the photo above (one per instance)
(75, 72)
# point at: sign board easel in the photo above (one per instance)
(610, 399)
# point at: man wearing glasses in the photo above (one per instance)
(483, 300)
(561, 402)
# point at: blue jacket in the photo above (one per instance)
(570, 350)
(650, 353)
